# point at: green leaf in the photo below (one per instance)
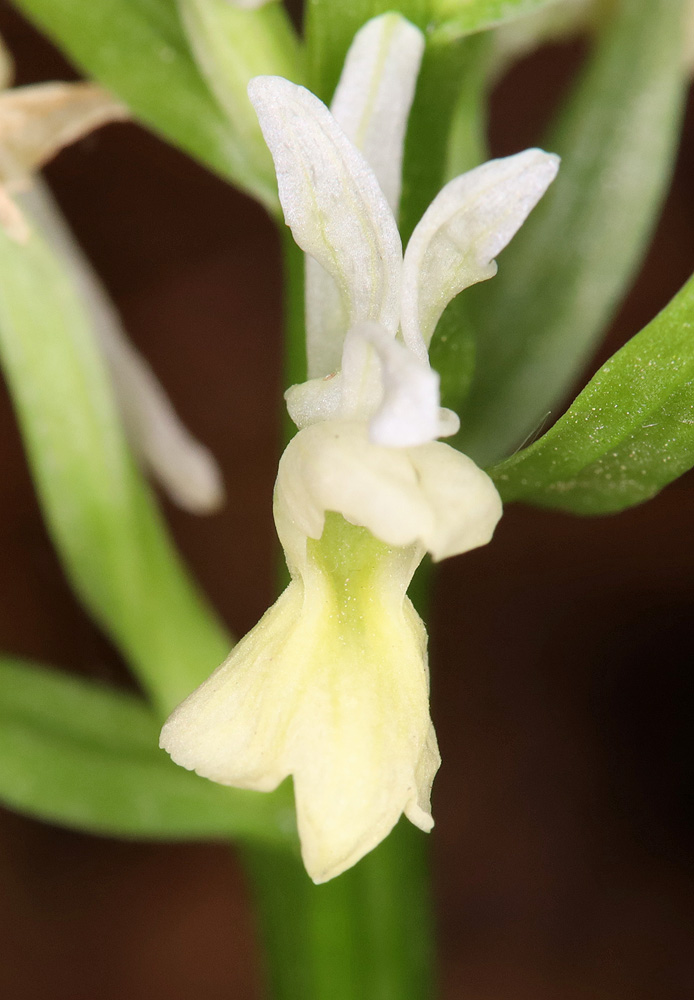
(628, 434)
(100, 513)
(562, 277)
(464, 17)
(138, 50)
(84, 756)
(232, 45)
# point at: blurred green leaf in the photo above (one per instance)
(138, 50)
(332, 24)
(563, 275)
(463, 17)
(467, 144)
(84, 756)
(232, 45)
(627, 435)
(100, 512)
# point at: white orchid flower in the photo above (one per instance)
(36, 122)
(331, 686)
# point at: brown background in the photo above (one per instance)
(563, 692)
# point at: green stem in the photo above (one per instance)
(366, 934)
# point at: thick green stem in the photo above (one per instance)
(366, 934)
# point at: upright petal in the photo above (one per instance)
(371, 104)
(468, 223)
(335, 209)
(374, 96)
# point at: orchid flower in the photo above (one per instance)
(331, 686)
(36, 122)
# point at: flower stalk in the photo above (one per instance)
(368, 934)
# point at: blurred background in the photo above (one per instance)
(563, 691)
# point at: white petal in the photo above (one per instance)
(374, 96)
(429, 496)
(332, 688)
(371, 104)
(361, 374)
(332, 466)
(464, 500)
(382, 382)
(186, 469)
(37, 121)
(335, 209)
(326, 320)
(469, 222)
(315, 400)
(397, 390)
(449, 423)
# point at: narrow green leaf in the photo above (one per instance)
(627, 435)
(232, 45)
(138, 50)
(100, 513)
(463, 17)
(84, 756)
(562, 277)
